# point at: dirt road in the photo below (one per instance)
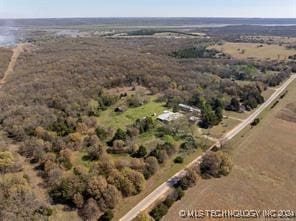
(20, 48)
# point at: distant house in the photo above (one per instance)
(169, 116)
(188, 108)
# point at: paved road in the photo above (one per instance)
(165, 187)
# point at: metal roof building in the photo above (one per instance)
(189, 108)
(169, 116)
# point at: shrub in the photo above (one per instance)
(189, 144)
(215, 164)
(151, 167)
(179, 192)
(143, 217)
(108, 216)
(101, 133)
(159, 211)
(187, 181)
(7, 161)
(142, 152)
(255, 122)
(179, 160)
(62, 127)
(119, 135)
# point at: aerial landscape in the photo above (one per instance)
(152, 117)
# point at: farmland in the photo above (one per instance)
(256, 51)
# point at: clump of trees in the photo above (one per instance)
(187, 181)
(212, 114)
(151, 166)
(162, 208)
(234, 105)
(144, 125)
(277, 79)
(200, 51)
(215, 164)
(18, 202)
(251, 97)
(163, 151)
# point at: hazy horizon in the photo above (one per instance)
(23, 9)
(144, 17)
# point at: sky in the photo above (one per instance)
(147, 8)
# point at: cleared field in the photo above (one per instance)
(256, 51)
(109, 118)
(264, 173)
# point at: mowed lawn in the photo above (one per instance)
(264, 173)
(110, 118)
(252, 50)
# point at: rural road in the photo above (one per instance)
(165, 187)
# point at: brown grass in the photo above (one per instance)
(288, 113)
(251, 50)
(264, 173)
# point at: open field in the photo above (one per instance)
(109, 118)
(252, 50)
(226, 125)
(264, 173)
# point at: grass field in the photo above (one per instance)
(219, 130)
(252, 50)
(109, 118)
(264, 173)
